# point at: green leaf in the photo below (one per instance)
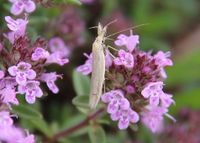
(82, 103)
(97, 134)
(30, 114)
(42, 126)
(81, 83)
(26, 112)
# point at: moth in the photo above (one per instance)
(98, 67)
(98, 63)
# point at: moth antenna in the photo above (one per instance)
(111, 23)
(130, 28)
(93, 27)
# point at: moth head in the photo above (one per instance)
(101, 30)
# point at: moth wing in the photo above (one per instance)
(98, 74)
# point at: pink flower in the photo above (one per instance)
(31, 91)
(22, 72)
(28, 139)
(108, 59)
(125, 117)
(162, 59)
(50, 79)
(57, 58)
(18, 28)
(8, 95)
(57, 45)
(115, 100)
(153, 118)
(125, 58)
(129, 41)
(5, 119)
(153, 91)
(39, 53)
(59, 51)
(11, 134)
(1, 74)
(86, 68)
(18, 6)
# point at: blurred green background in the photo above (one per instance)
(173, 25)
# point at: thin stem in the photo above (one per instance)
(76, 127)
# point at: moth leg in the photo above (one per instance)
(112, 48)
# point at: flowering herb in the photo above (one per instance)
(134, 84)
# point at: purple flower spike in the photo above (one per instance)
(22, 72)
(39, 53)
(31, 91)
(50, 79)
(86, 68)
(129, 41)
(22, 5)
(125, 58)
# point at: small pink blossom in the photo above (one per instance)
(125, 117)
(125, 58)
(8, 95)
(31, 91)
(5, 119)
(11, 134)
(162, 59)
(57, 45)
(129, 41)
(108, 59)
(50, 79)
(1, 74)
(28, 139)
(86, 68)
(18, 6)
(22, 72)
(56, 58)
(39, 53)
(115, 100)
(153, 118)
(18, 28)
(154, 92)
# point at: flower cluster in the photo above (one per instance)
(23, 68)
(134, 84)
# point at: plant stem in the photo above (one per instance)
(76, 127)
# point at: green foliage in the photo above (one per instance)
(33, 116)
(82, 103)
(186, 98)
(185, 70)
(81, 83)
(97, 134)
